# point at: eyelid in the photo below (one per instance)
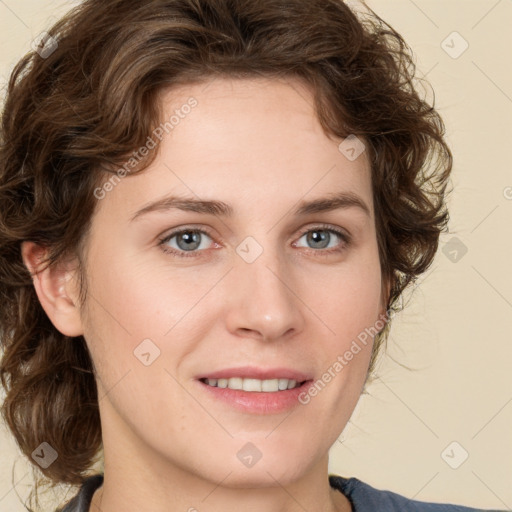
(340, 232)
(163, 239)
(343, 233)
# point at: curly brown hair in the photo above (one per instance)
(75, 114)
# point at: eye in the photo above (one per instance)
(183, 241)
(321, 237)
(190, 242)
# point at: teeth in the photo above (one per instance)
(252, 384)
(235, 383)
(266, 386)
(269, 385)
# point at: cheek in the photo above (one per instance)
(350, 308)
(349, 299)
(142, 298)
(130, 303)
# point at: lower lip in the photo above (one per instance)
(258, 402)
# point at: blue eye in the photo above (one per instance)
(187, 240)
(321, 237)
(190, 242)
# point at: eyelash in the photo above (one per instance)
(346, 241)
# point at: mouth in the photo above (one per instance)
(254, 385)
(256, 391)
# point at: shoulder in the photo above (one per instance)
(82, 501)
(365, 498)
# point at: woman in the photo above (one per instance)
(209, 210)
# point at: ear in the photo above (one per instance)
(56, 288)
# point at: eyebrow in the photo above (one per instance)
(341, 200)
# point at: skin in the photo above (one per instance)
(256, 145)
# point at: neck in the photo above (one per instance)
(107, 499)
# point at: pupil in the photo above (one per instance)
(190, 237)
(319, 237)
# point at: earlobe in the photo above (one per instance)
(56, 289)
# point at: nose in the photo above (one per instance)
(264, 302)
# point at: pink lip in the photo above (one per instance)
(251, 372)
(255, 402)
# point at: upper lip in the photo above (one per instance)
(252, 372)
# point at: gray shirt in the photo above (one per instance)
(363, 497)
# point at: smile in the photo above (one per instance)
(254, 385)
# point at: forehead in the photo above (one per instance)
(251, 141)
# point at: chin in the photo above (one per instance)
(259, 476)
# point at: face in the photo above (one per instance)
(259, 282)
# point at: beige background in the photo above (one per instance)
(456, 330)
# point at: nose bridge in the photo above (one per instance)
(262, 266)
(265, 302)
